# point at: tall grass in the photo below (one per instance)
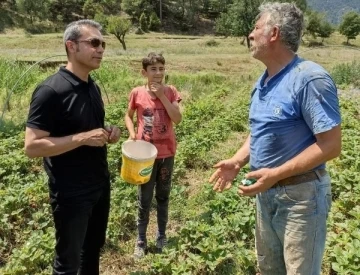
(347, 74)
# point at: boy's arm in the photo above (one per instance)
(129, 116)
(172, 109)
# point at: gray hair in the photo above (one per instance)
(288, 18)
(73, 30)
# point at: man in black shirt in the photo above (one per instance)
(66, 127)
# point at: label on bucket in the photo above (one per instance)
(146, 171)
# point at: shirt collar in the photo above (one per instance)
(72, 78)
(261, 81)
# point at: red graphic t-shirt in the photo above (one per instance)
(154, 123)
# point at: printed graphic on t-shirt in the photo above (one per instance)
(160, 121)
(148, 118)
(277, 111)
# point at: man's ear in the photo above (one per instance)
(144, 72)
(71, 46)
(275, 33)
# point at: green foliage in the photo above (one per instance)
(14, 83)
(345, 236)
(39, 27)
(239, 19)
(102, 19)
(350, 25)
(205, 123)
(212, 43)
(123, 211)
(91, 8)
(325, 30)
(34, 8)
(139, 31)
(136, 7)
(119, 26)
(112, 7)
(35, 256)
(334, 9)
(213, 232)
(317, 26)
(213, 8)
(346, 74)
(143, 22)
(185, 13)
(154, 22)
(205, 245)
(6, 14)
(65, 11)
(223, 25)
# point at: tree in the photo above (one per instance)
(213, 8)
(102, 19)
(7, 8)
(34, 8)
(325, 30)
(136, 7)
(65, 11)
(239, 19)
(111, 6)
(154, 22)
(317, 26)
(350, 25)
(119, 26)
(143, 22)
(223, 25)
(91, 8)
(312, 22)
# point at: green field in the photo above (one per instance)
(209, 233)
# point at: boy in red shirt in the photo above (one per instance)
(157, 108)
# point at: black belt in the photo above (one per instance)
(306, 177)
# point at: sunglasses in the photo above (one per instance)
(94, 42)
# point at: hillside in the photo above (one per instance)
(334, 8)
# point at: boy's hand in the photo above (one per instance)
(132, 136)
(157, 89)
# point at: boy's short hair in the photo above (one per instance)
(152, 59)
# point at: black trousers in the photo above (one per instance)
(160, 181)
(80, 224)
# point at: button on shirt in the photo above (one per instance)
(288, 110)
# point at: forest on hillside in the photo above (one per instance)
(39, 16)
(334, 9)
(220, 17)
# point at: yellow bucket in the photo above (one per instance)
(138, 157)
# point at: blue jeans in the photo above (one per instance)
(80, 223)
(160, 181)
(291, 227)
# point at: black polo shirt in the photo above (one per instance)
(64, 105)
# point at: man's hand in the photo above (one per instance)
(157, 88)
(265, 177)
(97, 137)
(224, 175)
(114, 134)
